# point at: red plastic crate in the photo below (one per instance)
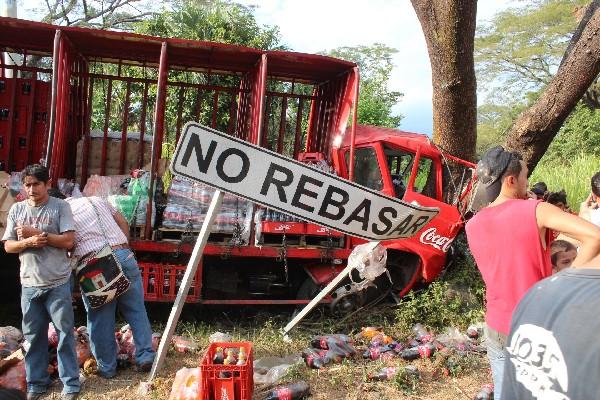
(296, 228)
(239, 385)
(150, 278)
(170, 279)
(317, 230)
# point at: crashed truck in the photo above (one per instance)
(105, 109)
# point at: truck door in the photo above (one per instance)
(424, 188)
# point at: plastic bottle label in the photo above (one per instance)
(284, 394)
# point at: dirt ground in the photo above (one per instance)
(346, 381)
(338, 381)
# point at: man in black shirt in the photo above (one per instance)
(553, 350)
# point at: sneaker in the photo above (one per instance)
(70, 396)
(144, 367)
(34, 395)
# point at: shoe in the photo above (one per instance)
(144, 367)
(69, 396)
(107, 375)
(34, 395)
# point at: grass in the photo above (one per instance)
(571, 175)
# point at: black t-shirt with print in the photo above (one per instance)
(553, 351)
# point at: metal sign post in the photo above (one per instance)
(190, 272)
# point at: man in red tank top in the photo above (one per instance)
(509, 240)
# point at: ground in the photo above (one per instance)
(338, 381)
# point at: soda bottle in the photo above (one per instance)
(486, 393)
(324, 341)
(421, 333)
(293, 391)
(218, 357)
(473, 331)
(230, 358)
(225, 374)
(423, 351)
(374, 352)
(315, 358)
(384, 374)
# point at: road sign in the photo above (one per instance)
(277, 182)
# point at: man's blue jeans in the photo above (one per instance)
(40, 307)
(101, 321)
(495, 344)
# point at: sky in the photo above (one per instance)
(312, 26)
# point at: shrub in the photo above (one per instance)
(456, 299)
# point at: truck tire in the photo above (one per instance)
(307, 291)
(405, 270)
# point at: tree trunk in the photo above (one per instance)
(536, 127)
(449, 29)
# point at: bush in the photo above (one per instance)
(573, 176)
(456, 299)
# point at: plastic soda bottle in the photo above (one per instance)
(294, 391)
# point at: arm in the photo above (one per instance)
(65, 240)
(17, 246)
(122, 222)
(586, 233)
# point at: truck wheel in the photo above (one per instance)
(307, 291)
(404, 271)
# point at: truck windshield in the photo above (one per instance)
(366, 168)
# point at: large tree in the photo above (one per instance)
(533, 132)
(449, 29)
(376, 102)
(103, 14)
(518, 51)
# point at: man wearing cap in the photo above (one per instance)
(509, 240)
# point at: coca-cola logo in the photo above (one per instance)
(431, 238)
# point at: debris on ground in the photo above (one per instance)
(269, 370)
(187, 385)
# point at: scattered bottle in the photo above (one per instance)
(486, 393)
(384, 374)
(294, 391)
(315, 358)
(423, 351)
(474, 331)
(421, 334)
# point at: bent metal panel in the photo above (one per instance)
(274, 181)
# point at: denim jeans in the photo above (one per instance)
(495, 343)
(101, 321)
(40, 307)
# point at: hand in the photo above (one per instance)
(27, 231)
(38, 241)
(531, 195)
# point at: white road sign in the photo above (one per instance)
(274, 181)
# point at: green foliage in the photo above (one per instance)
(579, 135)
(573, 175)
(220, 21)
(493, 124)
(375, 101)
(521, 47)
(454, 300)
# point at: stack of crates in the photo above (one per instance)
(227, 382)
